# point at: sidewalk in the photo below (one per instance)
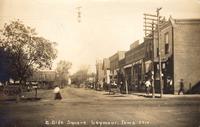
(4, 97)
(157, 95)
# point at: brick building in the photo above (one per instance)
(179, 47)
(134, 65)
(179, 41)
(114, 64)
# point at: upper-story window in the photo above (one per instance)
(166, 43)
(157, 52)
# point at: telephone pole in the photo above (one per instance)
(159, 55)
(151, 24)
(152, 72)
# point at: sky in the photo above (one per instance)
(106, 26)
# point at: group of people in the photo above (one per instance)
(148, 85)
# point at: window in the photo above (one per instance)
(157, 52)
(157, 66)
(163, 66)
(166, 43)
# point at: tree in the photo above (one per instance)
(63, 71)
(81, 75)
(4, 62)
(26, 49)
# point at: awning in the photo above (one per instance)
(138, 62)
(127, 66)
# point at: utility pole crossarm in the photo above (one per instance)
(152, 26)
(149, 15)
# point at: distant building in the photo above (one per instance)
(106, 70)
(99, 74)
(114, 64)
(43, 75)
(44, 78)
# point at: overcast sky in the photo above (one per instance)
(106, 26)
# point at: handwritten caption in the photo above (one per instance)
(97, 122)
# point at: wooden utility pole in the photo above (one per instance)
(159, 56)
(150, 22)
(152, 72)
(126, 86)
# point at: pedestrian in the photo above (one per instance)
(169, 84)
(121, 86)
(114, 84)
(110, 86)
(147, 84)
(181, 90)
(171, 87)
(57, 93)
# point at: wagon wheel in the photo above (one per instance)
(6, 92)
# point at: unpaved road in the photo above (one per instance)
(88, 108)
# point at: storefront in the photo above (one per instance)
(127, 70)
(167, 76)
(137, 75)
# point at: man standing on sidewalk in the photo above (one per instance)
(181, 90)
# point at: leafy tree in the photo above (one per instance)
(81, 75)
(27, 50)
(63, 71)
(4, 62)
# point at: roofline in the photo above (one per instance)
(187, 21)
(194, 19)
(173, 22)
(117, 53)
(184, 21)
